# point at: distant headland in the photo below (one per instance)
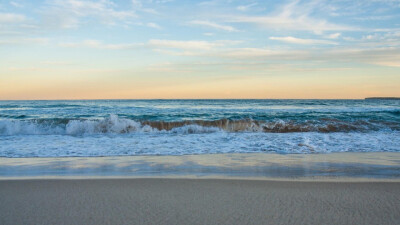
(383, 98)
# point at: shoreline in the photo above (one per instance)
(321, 179)
(305, 180)
(256, 166)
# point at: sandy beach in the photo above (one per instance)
(197, 201)
(192, 112)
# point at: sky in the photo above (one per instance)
(162, 49)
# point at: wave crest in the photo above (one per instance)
(115, 125)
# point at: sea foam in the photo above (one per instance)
(196, 143)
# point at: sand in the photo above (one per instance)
(197, 201)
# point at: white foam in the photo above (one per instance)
(194, 129)
(111, 124)
(18, 127)
(168, 143)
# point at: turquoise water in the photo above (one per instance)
(176, 127)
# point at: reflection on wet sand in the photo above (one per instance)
(257, 165)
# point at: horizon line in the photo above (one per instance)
(105, 99)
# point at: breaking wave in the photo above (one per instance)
(116, 125)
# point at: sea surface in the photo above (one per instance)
(186, 127)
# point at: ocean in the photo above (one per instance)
(84, 128)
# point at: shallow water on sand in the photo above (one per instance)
(337, 166)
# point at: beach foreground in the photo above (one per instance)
(197, 201)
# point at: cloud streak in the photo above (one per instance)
(377, 56)
(153, 44)
(246, 7)
(190, 45)
(96, 44)
(301, 41)
(213, 25)
(153, 25)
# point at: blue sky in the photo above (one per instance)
(199, 49)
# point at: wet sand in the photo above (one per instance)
(197, 201)
(380, 165)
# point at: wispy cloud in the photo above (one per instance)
(302, 41)
(100, 45)
(23, 41)
(16, 4)
(153, 25)
(376, 56)
(261, 53)
(139, 5)
(388, 39)
(70, 13)
(213, 25)
(374, 18)
(379, 56)
(6, 18)
(293, 17)
(203, 45)
(152, 44)
(333, 36)
(192, 45)
(246, 7)
(207, 3)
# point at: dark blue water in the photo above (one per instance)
(178, 110)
